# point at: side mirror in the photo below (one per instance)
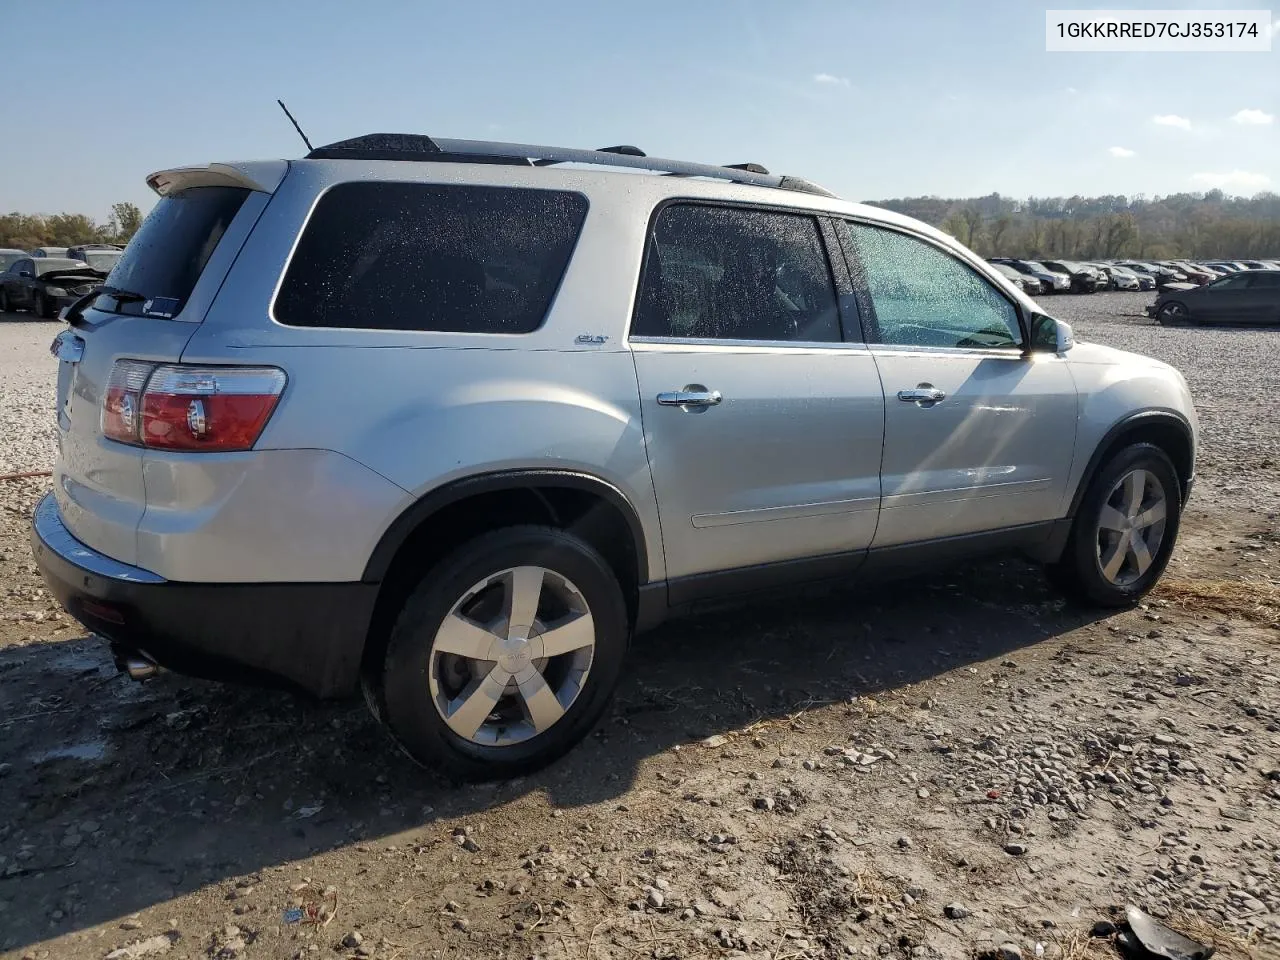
(1049, 335)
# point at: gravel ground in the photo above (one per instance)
(27, 384)
(861, 775)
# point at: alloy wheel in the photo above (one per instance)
(1131, 527)
(1173, 313)
(512, 656)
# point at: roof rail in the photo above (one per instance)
(753, 167)
(412, 146)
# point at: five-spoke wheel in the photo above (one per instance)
(1124, 529)
(505, 654)
(512, 656)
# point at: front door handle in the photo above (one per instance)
(924, 393)
(690, 398)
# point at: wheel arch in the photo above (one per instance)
(520, 483)
(1167, 429)
(447, 516)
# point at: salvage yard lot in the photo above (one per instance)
(929, 769)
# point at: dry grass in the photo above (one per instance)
(1081, 946)
(1255, 599)
(1230, 946)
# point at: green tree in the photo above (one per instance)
(125, 220)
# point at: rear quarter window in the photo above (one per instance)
(430, 257)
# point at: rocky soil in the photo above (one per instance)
(938, 768)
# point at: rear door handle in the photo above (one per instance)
(922, 394)
(690, 398)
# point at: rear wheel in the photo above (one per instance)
(1124, 531)
(505, 655)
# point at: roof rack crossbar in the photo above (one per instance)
(551, 155)
(417, 147)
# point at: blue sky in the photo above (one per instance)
(872, 99)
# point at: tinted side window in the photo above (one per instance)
(736, 274)
(414, 256)
(924, 297)
(1269, 281)
(1237, 281)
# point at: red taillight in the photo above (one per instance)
(180, 407)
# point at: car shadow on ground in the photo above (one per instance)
(120, 796)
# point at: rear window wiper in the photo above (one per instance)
(123, 296)
(74, 314)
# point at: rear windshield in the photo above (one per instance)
(414, 256)
(102, 261)
(168, 253)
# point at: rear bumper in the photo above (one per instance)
(306, 635)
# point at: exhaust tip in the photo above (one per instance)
(140, 668)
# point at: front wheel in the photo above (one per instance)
(5, 306)
(42, 308)
(1124, 531)
(1172, 315)
(505, 656)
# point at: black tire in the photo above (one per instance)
(397, 690)
(4, 301)
(1078, 573)
(1173, 314)
(42, 307)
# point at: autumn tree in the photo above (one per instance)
(124, 221)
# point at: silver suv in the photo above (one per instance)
(455, 420)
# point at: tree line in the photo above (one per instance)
(1195, 225)
(25, 231)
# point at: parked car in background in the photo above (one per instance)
(44, 285)
(1023, 281)
(102, 260)
(1051, 281)
(594, 455)
(40, 252)
(79, 251)
(1122, 279)
(8, 255)
(1159, 275)
(1250, 296)
(1257, 265)
(1193, 272)
(1084, 278)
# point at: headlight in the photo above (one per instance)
(56, 291)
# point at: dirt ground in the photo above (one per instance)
(933, 768)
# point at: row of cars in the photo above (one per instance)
(1038, 277)
(46, 279)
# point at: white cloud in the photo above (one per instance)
(831, 79)
(1121, 152)
(1171, 120)
(1256, 118)
(1072, 90)
(1237, 181)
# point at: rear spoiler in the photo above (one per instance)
(260, 175)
